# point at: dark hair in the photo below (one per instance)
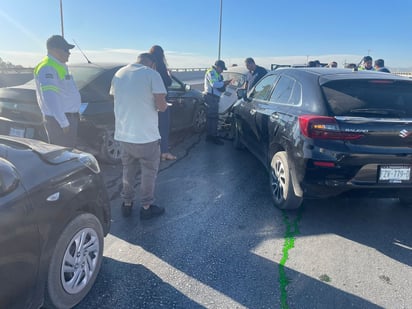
(159, 54)
(379, 63)
(367, 58)
(160, 64)
(314, 63)
(249, 60)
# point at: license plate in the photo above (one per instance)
(17, 132)
(394, 173)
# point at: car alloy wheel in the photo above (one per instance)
(79, 261)
(75, 262)
(281, 183)
(110, 150)
(199, 119)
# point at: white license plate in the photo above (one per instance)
(394, 173)
(17, 132)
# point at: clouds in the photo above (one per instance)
(175, 59)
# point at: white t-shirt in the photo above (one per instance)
(136, 116)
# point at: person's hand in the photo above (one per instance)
(66, 130)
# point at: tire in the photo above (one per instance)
(281, 184)
(235, 133)
(110, 150)
(84, 236)
(199, 119)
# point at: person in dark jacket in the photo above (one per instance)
(164, 117)
(256, 72)
(380, 66)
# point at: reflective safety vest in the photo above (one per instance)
(56, 90)
(213, 82)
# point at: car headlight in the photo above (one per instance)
(90, 161)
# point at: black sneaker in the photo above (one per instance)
(214, 139)
(152, 212)
(127, 209)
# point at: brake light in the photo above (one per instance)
(322, 127)
(381, 81)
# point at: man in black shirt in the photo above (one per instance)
(255, 73)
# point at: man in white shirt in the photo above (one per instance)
(139, 93)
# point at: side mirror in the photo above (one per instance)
(187, 87)
(9, 179)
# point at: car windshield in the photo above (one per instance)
(84, 75)
(369, 98)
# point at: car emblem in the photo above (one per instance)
(404, 133)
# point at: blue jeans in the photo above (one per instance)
(164, 130)
(147, 157)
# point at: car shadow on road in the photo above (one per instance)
(126, 285)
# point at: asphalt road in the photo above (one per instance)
(221, 243)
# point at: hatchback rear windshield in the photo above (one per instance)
(369, 98)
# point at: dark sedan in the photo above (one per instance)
(328, 132)
(54, 214)
(21, 116)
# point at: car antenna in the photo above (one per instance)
(84, 55)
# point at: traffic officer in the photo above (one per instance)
(366, 64)
(57, 94)
(214, 86)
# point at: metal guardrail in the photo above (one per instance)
(188, 69)
(406, 74)
(30, 70)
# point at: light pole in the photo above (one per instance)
(220, 30)
(61, 17)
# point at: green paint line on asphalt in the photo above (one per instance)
(292, 229)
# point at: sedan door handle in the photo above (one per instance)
(274, 117)
(252, 111)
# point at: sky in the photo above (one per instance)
(270, 31)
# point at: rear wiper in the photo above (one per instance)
(378, 111)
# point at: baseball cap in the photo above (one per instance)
(57, 41)
(220, 64)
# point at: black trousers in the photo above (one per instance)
(55, 132)
(212, 114)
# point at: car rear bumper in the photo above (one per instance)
(364, 180)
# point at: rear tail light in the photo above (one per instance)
(321, 127)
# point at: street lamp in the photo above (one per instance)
(220, 30)
(61, 17)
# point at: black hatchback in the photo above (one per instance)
(54, 214)
(329, 132)
(20, 114)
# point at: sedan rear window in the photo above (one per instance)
(369, 98)
(84, 75)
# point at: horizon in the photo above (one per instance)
(185, 61)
